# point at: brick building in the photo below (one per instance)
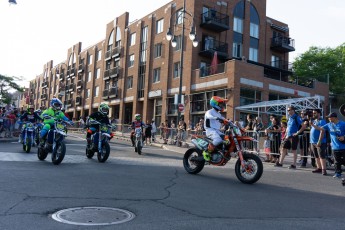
(136, 70)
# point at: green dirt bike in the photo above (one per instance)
(55, 142)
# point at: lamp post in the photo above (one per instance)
(170, 37)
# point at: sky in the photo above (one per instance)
(33, 32)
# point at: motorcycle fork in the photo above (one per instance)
(100, 141)
(54, 141)
(243, 164)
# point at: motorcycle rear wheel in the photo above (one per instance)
(193, 161)
(58, 153)
(253, 170)
(103, 156)
(41, 154)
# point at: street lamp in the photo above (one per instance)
(192, 36)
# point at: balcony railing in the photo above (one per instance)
(44, 96)
(105, 94)
(71, 87)
(78, 100)
(283, 44)
(62, 76)
(215, 21)
(81, 68)
(113, 92)
(210, 70)
(80, 84)
(116, 52)
(107, 55)
(209, 46)
(280, 64)
(69, 102)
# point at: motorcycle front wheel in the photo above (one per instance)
(27, 146)
(193, 161)
(58, 153)
(139, 147)
(41, 153)
(89, 153)
(252, 171)
(104, 154)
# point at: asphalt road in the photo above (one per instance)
(156, 188)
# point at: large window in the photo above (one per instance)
(131, 60)
(159, 26)
(88, 93)
(178, 42)
(132, 39)
(158, 50)
(177, 67)
(89, 76)
(98, 73)
(156, 75)
(130, 82)
(158, 109)
(238, 25)
(249, 96)
(99, 55)
(89, 59)
(253, 54)
(237, 50)
(96, 91)
(254, 30)
(179, 16)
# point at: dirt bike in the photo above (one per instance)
(55, 142)
(248, 167)
(100, 145)
(38, 128)
(28, 138)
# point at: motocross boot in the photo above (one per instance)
(207, 153)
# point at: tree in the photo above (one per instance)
(7, 84)
(320, 62)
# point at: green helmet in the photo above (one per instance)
(103, 109)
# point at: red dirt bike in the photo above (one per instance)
(248, 167)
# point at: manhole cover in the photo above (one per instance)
(93, 216)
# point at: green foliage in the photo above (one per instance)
(320, 62)
(6, 84)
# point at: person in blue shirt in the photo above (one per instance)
(319, 152)
(294, 125)
(336, 129)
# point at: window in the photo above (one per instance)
(237, 50)
(158, 50)
(131, 60)
(130, 82)
(98, 73)
(158, 110)
(156, 75)
(209, 43)
(249, 96)
(132, 37)
(178, 42)
(275, 61)
(88, 93)
(89, 59)
(254, 30)
(96, 91)
(99, 55)
(177, 67)
(179, 16)
(89, 76)
(159, 26)
(238, 25)
(253, 54)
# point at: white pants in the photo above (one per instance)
(215, 135)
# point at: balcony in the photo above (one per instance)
(283, 44)
(62, 76)
(80, 84)
(69, 102)
(78, 100)
(115, 53)
(107, 55)
(81, 68)
(113, 92)
(209, 46)
(105, 94)
(44, 96)
(215, 21)
(71, 87)
(280, 64)
(44, 84)
(210, 70)
(111, 73)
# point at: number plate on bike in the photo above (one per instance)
(60, 126)
(104, 128)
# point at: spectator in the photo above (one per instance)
(319, 152)
(250, 123)
(291, 139)
(184, 130)
(81, 122)
(161, 128)
(336, 129)
(274, 134)
(154, 130)
(267, 149)
(241, 123)
(180, 129)
(172, 132)
(257, 127)
(148, 130)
